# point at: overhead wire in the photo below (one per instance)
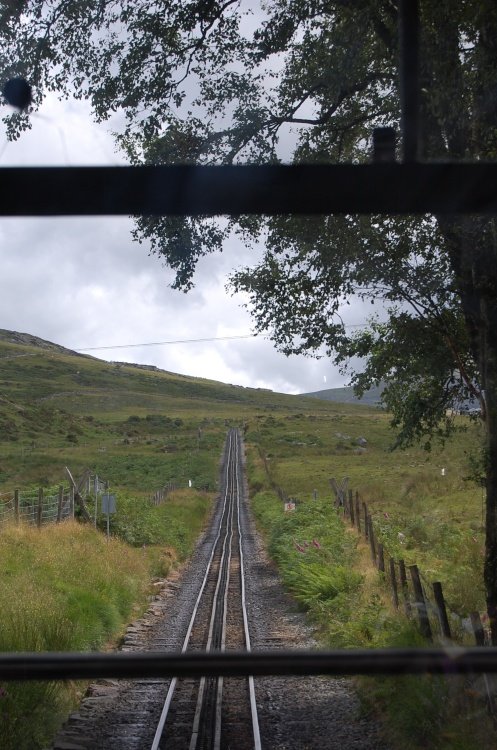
(187, 341)
(162, 343)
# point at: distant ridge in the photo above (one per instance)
(27, 339)
(37, 372)
(346, 395)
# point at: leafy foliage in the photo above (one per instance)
(63, 588)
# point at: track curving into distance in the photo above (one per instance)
(215, 713)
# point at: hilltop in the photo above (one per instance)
(347, 395)
(34, 371)
(27, 339)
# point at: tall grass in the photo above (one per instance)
(67, 587)
(64, 587)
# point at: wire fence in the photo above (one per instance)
(7, 509)
(160, 496)
(38, 507)
(419, 597)
(411, 590)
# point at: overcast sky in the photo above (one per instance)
(84, 283)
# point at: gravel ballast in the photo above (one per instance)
(295, 713)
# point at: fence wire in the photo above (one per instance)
(31, 511)
(7, 512)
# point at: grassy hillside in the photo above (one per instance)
(136, 427)
(346, 395)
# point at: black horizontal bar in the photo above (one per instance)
(302, 189)
(65, 666)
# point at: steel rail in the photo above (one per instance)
(253, 704)
(172, 687)
(211, 693)
(205, 688)
(220, 681)
(234, 492)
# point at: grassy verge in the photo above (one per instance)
(65, 587)
(439, 515)
(327, 568)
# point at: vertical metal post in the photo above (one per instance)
(409, 77)
(39, 510)
(108, 515)
(60, 503)
(95, 487)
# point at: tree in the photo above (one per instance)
(198, 84)
(420, 352)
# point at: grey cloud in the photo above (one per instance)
(83, 282)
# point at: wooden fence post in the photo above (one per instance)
(340, 491)
(477, 628)
(393, 581)
(366, 526)
(357, 512)
(40, 508)
(405, 588)
(381, 558)
(60, 503)
(71, 501)
(371, 539)
(351, 508)
(16, 506)
(424, 622)
(442, 611)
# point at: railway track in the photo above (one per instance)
(216, 713)
(188, 614)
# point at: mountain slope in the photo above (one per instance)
(34, 371)
(135, 426)
(346, 395)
